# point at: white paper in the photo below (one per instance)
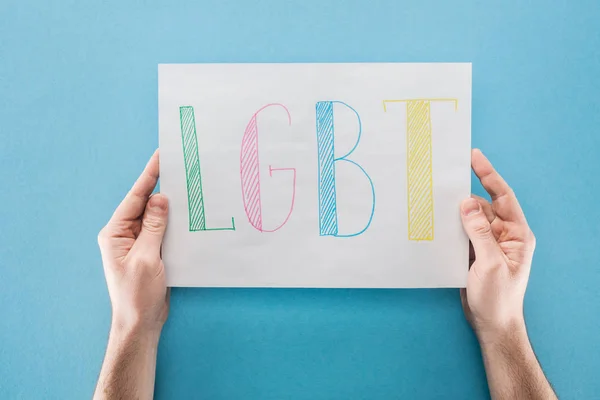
(247, 169)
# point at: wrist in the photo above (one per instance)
(512, 333)
(130, 320)
(124, 331)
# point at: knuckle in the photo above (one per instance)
(153, 224)
(525, 234)
(143, 265)
(531, 239)
(102, 236)
(481, 228)
(140, 262)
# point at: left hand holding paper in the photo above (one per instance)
(131, 253)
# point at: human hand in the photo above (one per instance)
(503, 248)
(130, 246)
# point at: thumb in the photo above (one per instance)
(154, 224)
(479, 230)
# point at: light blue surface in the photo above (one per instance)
(78, 120)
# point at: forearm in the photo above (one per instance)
(129, 365)
(512, 369)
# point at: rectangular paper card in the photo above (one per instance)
(315, 175)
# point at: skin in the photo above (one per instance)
(135, 275)
(502, 250)
(503, 246)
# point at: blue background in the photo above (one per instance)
(78, 120)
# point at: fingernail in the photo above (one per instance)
(157, 208)
(470, 207)
(158, 203)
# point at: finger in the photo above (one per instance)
(504, 201)
(134, 203)
(486, 207)
(154, 224)
(489, 177)
(479, 230)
